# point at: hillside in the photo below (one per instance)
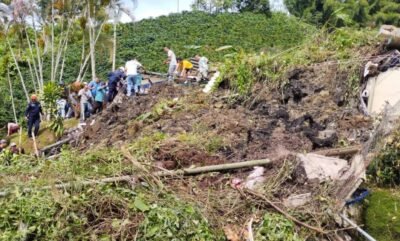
(158, 166)
(188, 34)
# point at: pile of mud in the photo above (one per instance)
(308, 114)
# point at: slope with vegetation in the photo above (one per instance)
(278, 73)
(178, 127)
(188, 34)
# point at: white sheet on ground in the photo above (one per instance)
(382, 89)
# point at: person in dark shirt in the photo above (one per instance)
(114, 79)
(32, 114)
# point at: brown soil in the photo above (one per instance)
(271, 124)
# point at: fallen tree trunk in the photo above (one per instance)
(55, 145)
(128, 178)
(350, 150)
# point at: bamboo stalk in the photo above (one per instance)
(350, 150)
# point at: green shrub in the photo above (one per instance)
(275, 227)
(175, 221)
(385, 167)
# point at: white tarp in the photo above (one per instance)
(383, 88)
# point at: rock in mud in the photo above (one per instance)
(313, 168)
(294, 201)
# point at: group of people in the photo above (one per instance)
(13, 149)
(84, 99)
(182, 67)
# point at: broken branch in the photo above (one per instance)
(350, 150)
(270, 203)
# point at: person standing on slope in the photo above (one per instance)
(172, 63)
(85, 94)
(114, 79)
(203, 67)
(131, 68)
(32, 114)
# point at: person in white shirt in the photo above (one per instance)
(172, 63)
(131, 69)
(85, 96)
(203, 66)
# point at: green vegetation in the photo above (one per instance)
(385, 168)
(46, 136)
(101, 213)
(199, 32)
(382, 215)
(203, 33)
(171, 219)
(275, 227)
(241, 71)
(334, 13)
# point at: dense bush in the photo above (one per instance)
(198, 32)
(385, 168)
(336, 13)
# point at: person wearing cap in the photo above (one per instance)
(32, 114)
(3, 145)
(114, 79)
(15, 150)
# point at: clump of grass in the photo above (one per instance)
(161, 108)
(381, 215)
(275, 227)
(143, 146)
(202, 141)
(385, 167)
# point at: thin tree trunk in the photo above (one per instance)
(61, 49)
(115, 43)
(12, 96)
(63, 63)
(33, 62)
(32, 77)
(38, 55)
(83, 66)
(52, 42)
(92, 43)
(18, 70)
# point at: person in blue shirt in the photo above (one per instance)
(32, 114)
(99, 98)
(93, 85)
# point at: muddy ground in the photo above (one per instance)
(314, 111)
(310, 113)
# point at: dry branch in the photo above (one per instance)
(270, 203)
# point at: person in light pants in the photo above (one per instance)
(131, 68)
(172, 63)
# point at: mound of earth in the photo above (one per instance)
(310, 113)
